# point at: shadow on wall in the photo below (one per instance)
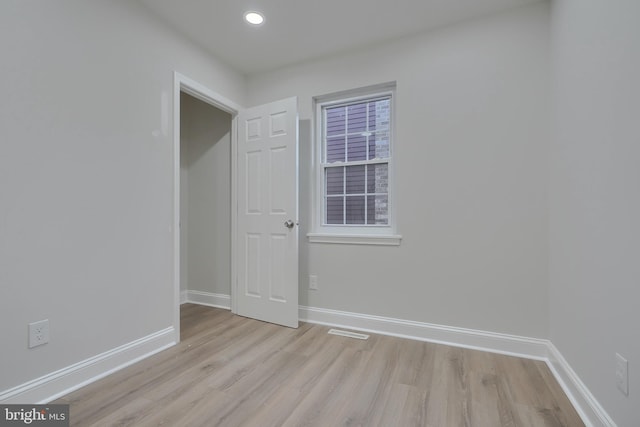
(202, 134)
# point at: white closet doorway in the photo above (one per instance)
(205, 202)
(235, 207)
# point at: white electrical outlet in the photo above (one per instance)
(38, 333)
(622, 374)
(313, 282)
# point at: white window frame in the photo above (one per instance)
(352, 234)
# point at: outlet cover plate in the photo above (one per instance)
(38, 333)
(622, 374)
(313, 282)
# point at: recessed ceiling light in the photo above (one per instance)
(254, 18)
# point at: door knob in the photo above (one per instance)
(289, 224)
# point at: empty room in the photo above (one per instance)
(374, 213)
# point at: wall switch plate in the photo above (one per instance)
(313, 282)
(38, 333)
(622, 374)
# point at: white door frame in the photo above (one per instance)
(181, 83)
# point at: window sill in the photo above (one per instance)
(355, 239)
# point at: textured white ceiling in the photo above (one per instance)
(300, 30)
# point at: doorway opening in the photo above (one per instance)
(217, 250)
(205, 203)
(204, 128)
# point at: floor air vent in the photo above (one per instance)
(348, 334)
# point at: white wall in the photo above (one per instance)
(206, 197)
(85, 189)
(595, 197)
(471, 152)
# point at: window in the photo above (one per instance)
(354, 186)
(356, 138)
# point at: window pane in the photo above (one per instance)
(355, 210)
(357, 133)
(334, 180)
(379, 145)
(379, 114)
(371, 210)
(372, 116)
(357, 118)
(335, 210)
(377, 210)
(371, 143)
(378, 178)
(336, 121)
(335, 149)
(355, 179)
(357, 147)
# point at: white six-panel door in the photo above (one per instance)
(267, 231)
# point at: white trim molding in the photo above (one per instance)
(355, 239)
(182, 83)
(531, 348)
(360, 234)
(590, 410)
(59, 383)
(208, 298)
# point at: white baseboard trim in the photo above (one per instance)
(207, 298)
(59, 383)
(532, 348)
(183, 297)
(590, 410)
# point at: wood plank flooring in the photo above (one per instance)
(233, 371)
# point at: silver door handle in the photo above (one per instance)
(289, 224)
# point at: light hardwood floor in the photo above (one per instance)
(233, 371)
